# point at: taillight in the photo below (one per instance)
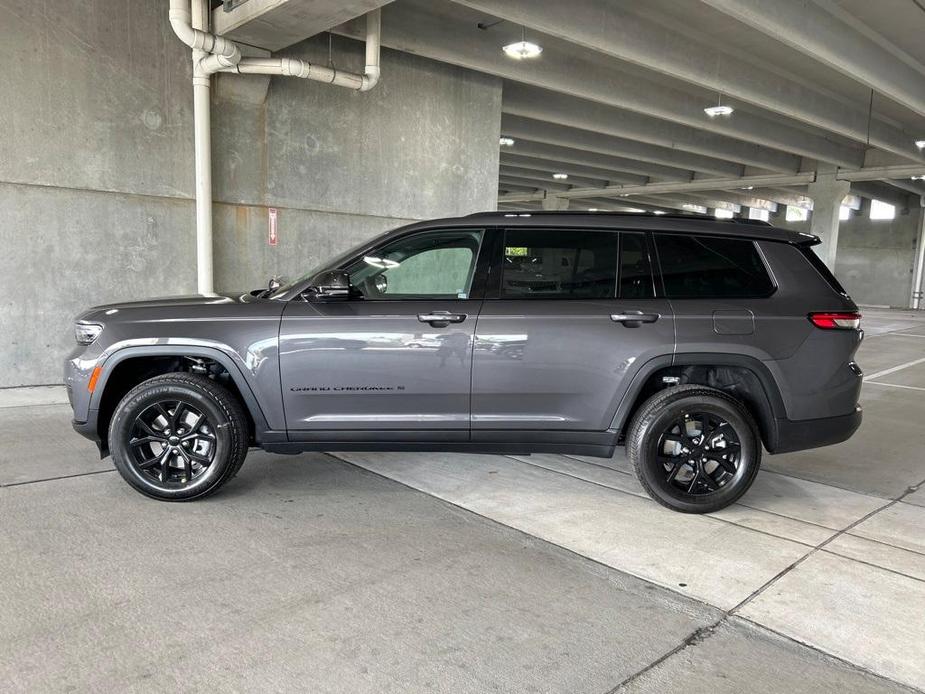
(836, 321)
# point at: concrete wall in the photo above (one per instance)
(96, 166)
(874, 260)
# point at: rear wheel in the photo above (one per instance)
(695, 449)
(178, 437)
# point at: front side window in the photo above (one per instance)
(711, 267)
(559, 264)
(430, 265)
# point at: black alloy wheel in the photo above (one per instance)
(695, 449)
(699, 453)
(179, 436)
(172, 443)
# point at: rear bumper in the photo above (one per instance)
(798, 435)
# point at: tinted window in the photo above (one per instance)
(431, 265)
(699, 266)
(559, 264)
(635, 269)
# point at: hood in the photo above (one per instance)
(167, 302)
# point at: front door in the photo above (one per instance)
(559, 337)
(393, 362)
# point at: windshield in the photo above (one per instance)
(334, 262)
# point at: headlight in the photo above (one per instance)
(86, 333)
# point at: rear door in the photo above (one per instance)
(394, 361)
(569, 317)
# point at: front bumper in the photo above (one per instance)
(799, 435)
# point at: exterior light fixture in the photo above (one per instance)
(522, 49)
(560, 176)
(659, 212)
(593, 209)
(920, 144)
(747, 188)
(917, 178)
(506, 141)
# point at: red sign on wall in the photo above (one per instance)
(273, 236)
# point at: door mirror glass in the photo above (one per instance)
(328, 285)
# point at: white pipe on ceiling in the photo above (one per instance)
(190, 22)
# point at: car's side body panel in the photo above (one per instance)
(369, 365)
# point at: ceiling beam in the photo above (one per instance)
(689, 186)
(417, 27)
(542, 177)
(551, 134)
(876, 190)
(620, 33)
(551, 166)
(678, 163)
(542, 150)
(538, 186)
(553, 107)
(810, 29)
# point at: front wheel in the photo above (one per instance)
(695, 449)
(178, 437)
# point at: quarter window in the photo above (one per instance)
(711, 267)
(431, 265)
(559, 264)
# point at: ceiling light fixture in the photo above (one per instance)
(522, 49)
(720, 109)
(506, 141)
(658, 211)
(920, 144)
(560, 176)
(747, 188)
(714, 111)
(917, 178)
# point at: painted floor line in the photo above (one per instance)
(893, 385)
(894, 369)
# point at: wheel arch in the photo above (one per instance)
(742, 376)
(127, 367)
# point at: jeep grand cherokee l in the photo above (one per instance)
(694, 342)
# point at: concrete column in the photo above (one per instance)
(918, 271)
(827, 194)
(551, 202)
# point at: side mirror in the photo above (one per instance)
(328, 285)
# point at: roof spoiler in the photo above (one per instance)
(808, 239)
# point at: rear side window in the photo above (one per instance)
(711, 267)
(559, 264)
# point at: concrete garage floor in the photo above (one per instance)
(452, 573)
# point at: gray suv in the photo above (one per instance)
(694, 342)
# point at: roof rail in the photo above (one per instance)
(607, 213)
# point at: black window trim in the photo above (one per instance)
(757, 247)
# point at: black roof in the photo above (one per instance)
(686, 223)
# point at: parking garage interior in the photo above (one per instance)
(384, 571)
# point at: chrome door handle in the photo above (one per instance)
(633, 319)
(441, 319)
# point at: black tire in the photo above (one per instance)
(193, 423)
(726, 451)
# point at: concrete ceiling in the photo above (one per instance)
(617, 96)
